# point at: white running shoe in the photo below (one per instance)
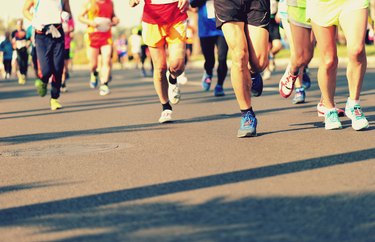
(266, 74)
(331, 120)
(355, 113)
(166, 116)
(104, 90)
(182, 79)
(322, 110)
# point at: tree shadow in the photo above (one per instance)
(33, 185)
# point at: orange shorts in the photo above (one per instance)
(99, 39)
(155, 35)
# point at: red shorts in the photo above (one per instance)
(99, 39)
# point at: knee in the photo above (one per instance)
(240, 58)
(177, 67)
(356, 53)
(261, 64)
(330, 62)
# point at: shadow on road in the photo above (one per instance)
(340, 217)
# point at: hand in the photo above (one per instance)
(183, 5)
(93, 24)
(133, 3)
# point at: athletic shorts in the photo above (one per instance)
(273, 28)
(99, 39)
(328, 12)
(66, 54)
(297, 16)
(155, 35)
(252, 12)
(122, 54)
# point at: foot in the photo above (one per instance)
(257, 84)
(206, 82)
(248, 127)
(41, 87)
(94, 80)
(300, 96)
(63, 87)
(266, 74)
(55, 104)
(359, 121)
(182, 79)
(286, 84)
(104, 90)
(331, 120)
(166, 116)
(219, 91)
(306, 81)
(322, 110)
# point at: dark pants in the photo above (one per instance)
(7, 66)
(34, 60)
(208, 49)
(23, 60)
(50, 53)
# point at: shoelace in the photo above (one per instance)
(248, 119)
(357, 112)
(332, 117)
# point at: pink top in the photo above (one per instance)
(68, 28)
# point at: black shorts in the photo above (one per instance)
(273, 28)
(66, 54)
(252, 12)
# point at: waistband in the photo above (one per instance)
(45, 28)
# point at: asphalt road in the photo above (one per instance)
(103, 169)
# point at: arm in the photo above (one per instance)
(82, 17)
(26, 9)
(183, 5)
(66, 7)
(115, 19)
(197, 3)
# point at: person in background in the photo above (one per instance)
(99, 15)
(68, 27)
(21, 44)
(6, 48)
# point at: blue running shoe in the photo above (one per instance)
(300, 96)
(206, 82)
(248, 126)
(306, 81)
(219, 91)
(257, 84)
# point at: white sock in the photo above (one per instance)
(351, 102)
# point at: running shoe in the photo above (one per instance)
(22, 79)
(41, 87)
(174, 93)
(256, 85)
(55, 104)
(355, 113)
(104, 90)
(248, 126)
(286, 84)
(182, 79)
(219, 91)
(322, 110)
(300, 96)
(306, 81)
(266, 74)
(206, 82)
(94, 80)
(166, 116)
(272, 64)
(331, 120)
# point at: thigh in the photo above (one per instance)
(354, 25)
(326, 40)
(208, 47)
(106, 52)
(158, 57)
(222, 47)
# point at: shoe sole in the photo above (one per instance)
(244, 134)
